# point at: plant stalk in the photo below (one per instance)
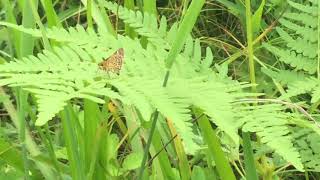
(153, 127)
(248, 154)
(250, 44)
(184, 30)
(318, 68)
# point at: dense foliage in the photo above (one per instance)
(204, 90)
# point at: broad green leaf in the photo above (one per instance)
(198, 173)
(132, 161)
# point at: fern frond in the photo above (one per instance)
(145, 25)
(307, 19)
(71, 71)
(301, 46)
(72, 34)
(62, 60)
(308, 144)
(148, 95)
(214, 98)
(49, 103)
(295, 60)
(310, 85)
(285, 77)
(271, 125)
(298, 31)
(310, 9)
(51, 98)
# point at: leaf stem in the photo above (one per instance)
(153, 127)
(250, 45)
(35, 14)
(251, 172)
(89, 13)
(21, 96)
(318, 68)
(248, 154)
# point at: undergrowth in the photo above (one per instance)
(62, 90)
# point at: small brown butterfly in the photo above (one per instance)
(114, 62)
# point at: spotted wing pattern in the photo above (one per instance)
(114, 62)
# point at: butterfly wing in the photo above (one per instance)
(114, 62)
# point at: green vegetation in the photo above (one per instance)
(146, 89)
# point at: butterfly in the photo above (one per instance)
(113, 63)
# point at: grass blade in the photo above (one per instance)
(52, 17)
(185, 170)
(70, 135)
(248, 157)
(150, 7)
(22, 100)
(184, 30)
(91, 123)
(100, 17)
(89, 13)
(129, 31)
(210, 137)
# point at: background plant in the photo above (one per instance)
(69, 119)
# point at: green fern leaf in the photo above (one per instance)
(307, 141)
(145, 25)
(72, 71)
(285, 77)
(271, 124)
(301, 87)
(298, 31)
